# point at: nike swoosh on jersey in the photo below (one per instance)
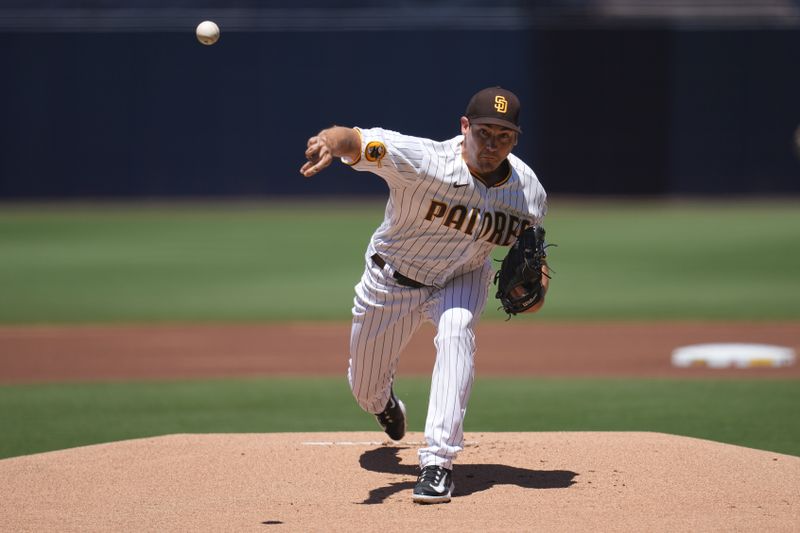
(459, 185)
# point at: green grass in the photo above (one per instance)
(676, 261)
(291, 261)
(754, 413)
(208, 263)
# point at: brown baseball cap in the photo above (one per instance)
(494, 105)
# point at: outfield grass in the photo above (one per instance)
(290, 261)
(227, 263)
(37, 418)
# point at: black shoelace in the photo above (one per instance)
(385, 418)
(432, 475)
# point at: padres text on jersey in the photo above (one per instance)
(439, 220)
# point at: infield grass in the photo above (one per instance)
(285, 260)
(755, 413)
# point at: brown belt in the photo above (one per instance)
(401, 279)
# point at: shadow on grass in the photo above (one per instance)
(468, 478)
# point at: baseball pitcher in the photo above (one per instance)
(450, 204)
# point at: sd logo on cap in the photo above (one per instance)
(494, 105)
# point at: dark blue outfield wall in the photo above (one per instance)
(604, 111)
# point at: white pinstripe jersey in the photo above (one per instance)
(439, 221)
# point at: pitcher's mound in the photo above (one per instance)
(357, 482)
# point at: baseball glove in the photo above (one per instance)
(519, 279)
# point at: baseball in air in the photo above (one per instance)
(207, 32)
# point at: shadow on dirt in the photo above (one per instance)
(468, 478)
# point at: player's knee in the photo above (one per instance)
(456, 322)
(455, 331)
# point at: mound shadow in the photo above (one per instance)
(468, 478)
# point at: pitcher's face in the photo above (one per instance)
(486, 146)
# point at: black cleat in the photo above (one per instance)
(434, 485)
(393, 418)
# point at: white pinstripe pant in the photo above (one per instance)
(386, 315)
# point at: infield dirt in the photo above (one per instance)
(57, 353)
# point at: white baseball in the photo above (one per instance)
(207, 32)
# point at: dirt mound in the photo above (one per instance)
(585, 481)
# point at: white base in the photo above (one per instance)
(737, 355)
